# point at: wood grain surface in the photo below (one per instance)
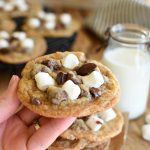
(88, 43)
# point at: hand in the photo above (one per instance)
(17, 131)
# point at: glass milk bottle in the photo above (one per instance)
(128, 57)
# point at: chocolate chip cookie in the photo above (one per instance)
(67, 84)
(18, 47)
(96, 127)
(52, 24)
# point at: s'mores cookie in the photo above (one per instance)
(67, 84)
(16, 8)
(50, 24)
(18, 47)
(80, 144)
(96, 127)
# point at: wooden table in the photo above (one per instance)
(88, 43)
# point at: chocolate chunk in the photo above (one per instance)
(52, 64)
(61, 78)
(98, 122)
(95, 92)
(59, 97)
(86, 69)
(84, 93)
(36, 101)
(74, 78)
(38, 68)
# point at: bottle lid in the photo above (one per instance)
(130, 33)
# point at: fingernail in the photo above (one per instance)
(12, 80)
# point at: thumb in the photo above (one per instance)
(8, 100)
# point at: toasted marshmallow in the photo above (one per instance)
(71, 89)
(50, 17)
(147, 118)
(4, 43)
(41, 14)
(66, 19)
(94, 123)
(4, 35)
(19, 35)
(34, 22)
(95, 79)
(44, 80)
(8, 7)
(70, 61)
(28, 44)
(146, 132)
(50, 25)
(108, 115)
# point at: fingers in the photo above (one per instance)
(49, 131)
(8, 100)
(27, 116)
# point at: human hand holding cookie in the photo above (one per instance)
(17, 129)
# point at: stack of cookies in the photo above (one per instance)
(67, 84)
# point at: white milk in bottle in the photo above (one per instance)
(130, 63)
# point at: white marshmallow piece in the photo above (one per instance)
(66, 19)
(146, 132)
(8, 7)
(70, 61)
(94, 123)
(4, 35)
(28, 44)
(147, 118)
(22, 6)
(44, 80)
(71, 89)
(50, 17)
(50, 25)
(34, 22)
(19, 35)
(4, 43)
(41, 14)
(108, 115)
(95, 79)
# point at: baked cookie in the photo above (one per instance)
(67, 84)
(50, 24)
(96, 127)
(18, 47)
(82, 144)
(15, 8)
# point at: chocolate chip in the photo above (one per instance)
(52, 64)
(86, 69)
(61, 78)
(59, 97)
(36, 101)
(95, 92)
(98, 122)
(84, 93)
(74, 78)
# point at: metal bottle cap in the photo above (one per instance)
(130, 33)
